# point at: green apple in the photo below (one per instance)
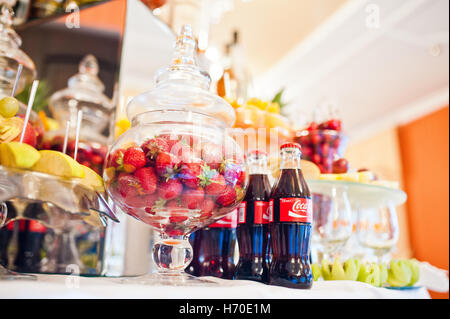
(415, 271)
(370, 274)
(337, 271)
(351, 269)
(399, 273)
(326, 269)
(316, 271)
(383, 273)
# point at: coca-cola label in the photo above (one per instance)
(295, 210)
(261, 212)
(242, 209)
(37, 227)
(229, 221)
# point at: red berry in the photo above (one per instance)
(212, 155)
(178, 218)
(167, 165)
(207, 206)
(340, 166)
(216, 185)
(316, 158)
(97, 159)
(116, 159)
(170, 189)
(170, 139)
(147, 178)
(192, 198)
(153, 146)
(127, 185)
(133, 159)
(190, 174)
(227, 198)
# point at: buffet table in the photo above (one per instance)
(58, 286)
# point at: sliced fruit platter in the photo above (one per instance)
(46, 176)
(51, 177)
(398, 273)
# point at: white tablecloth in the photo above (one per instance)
(57, 286)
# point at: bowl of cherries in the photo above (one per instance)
(323, 144)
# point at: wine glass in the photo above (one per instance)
(378, 229)
(332, 221)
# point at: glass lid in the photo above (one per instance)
(11, 56)
(84, 92)
(183, 86)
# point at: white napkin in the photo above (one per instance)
(433, 278)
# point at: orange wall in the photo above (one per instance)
(424, 146)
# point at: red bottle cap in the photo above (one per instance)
(290, 145)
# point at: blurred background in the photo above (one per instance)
(382, 66)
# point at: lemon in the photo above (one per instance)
(309, 169)
(92, 179)
(58, 164)
(18, 155)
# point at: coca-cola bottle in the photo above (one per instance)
(214, 248)
(253, 222)
(290, 223)
(30, 242)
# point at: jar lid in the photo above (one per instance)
(84, 92)
(11, 56)
(183, 86)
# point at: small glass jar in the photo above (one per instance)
(84, 92)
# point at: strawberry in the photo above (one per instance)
(116, 159)
(212, 154)
(192, 198)
(170, 139)
(167, 165)
(153, 146)
(178, 218)
(147, 178)
(207, 206)
(191, 173)
(232, 172)
(128, 185)
(216, 185)
(133, 158)
(228, 197)
(170, 189)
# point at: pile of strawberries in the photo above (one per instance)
(174, 179)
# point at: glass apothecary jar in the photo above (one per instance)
(177, 169)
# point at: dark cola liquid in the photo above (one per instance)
(290, 241)
(253, 234)
(214, 249)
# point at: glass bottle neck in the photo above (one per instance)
(257, 165)
(290, 158)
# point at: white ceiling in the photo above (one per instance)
(379, 77)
